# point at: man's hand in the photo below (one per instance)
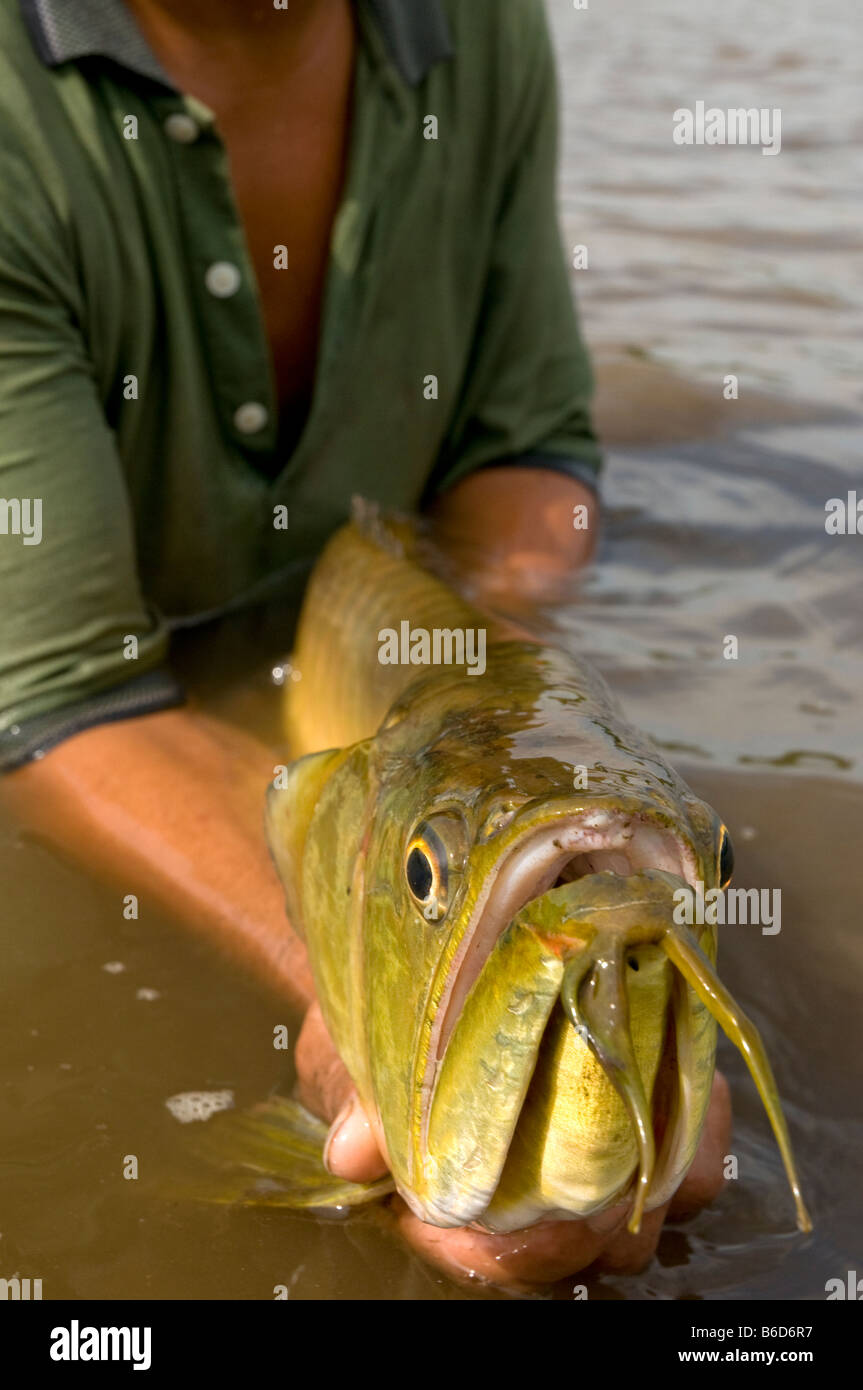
(325, 1088)
(523, 1259)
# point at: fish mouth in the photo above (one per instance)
(565, 850)
(562, 850)
(636, 865)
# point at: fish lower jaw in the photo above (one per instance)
(503, 1222)
(431, 1213)
(572, 1154)
(515, 1214)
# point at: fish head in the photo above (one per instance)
(490, 888)
(497, 827)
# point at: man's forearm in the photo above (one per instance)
(171, 805)
(517, 536)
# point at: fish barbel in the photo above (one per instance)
(483, 864)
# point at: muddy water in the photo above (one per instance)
(717, 259)
(103, 1019)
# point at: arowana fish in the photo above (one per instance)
(483, 865)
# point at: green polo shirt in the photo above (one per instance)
(142, 483)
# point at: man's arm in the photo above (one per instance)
(168, 803)
(517, 536)
(171, 805)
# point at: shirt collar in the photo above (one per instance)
(416, 33)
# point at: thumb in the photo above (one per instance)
(325, 1088)
(351, 1150)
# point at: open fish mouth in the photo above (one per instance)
(561, 852)
(595, 889)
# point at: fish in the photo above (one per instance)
(485, 866)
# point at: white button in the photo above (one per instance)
(182, 128)
(223, 279)
(251, 417)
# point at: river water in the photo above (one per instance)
(703, 262)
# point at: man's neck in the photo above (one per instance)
(251, 26)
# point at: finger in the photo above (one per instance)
(629, 1254)
(351, 1150)
(705, 1178)
(324, 1086)
(323, 1083)
(519, 1262)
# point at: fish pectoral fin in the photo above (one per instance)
(270, 1155)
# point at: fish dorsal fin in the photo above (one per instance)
(291, 801)
(377, 526)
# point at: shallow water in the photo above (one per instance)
(88, 1064)
(717, 259)
(750, 273)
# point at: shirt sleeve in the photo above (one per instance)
(528, 388)
(73, 624)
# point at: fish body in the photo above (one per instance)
(484, 866)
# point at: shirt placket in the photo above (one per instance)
(381, 124)
(223, 283)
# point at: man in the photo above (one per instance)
(254, 259)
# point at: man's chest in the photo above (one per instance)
(284, 122)
(287, 172)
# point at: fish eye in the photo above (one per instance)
(434, 859)
(420, 873)
(726, 859)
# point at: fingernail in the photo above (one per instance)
(337, 1133)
